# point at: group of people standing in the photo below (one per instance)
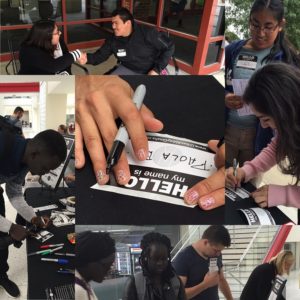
(196, 272)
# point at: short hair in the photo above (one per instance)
(40, 35)
(52, 143)
(18, 109)
(63, 127)
(124, 14)
(217, 234)
(155, 238)
(280, 259)
(93, 246)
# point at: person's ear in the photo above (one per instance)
(281, 24)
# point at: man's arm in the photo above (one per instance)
(166, 47)
(224, 287)
(101, 55)
(210, 280)
(16, 198)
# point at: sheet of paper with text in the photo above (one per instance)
(173, 166)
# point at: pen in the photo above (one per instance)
(235, 169)
(50, 246)
(37, 252)
(65, 271)
(43, 221)
(51, 250)
(122, 136)
(57, 260)
(221, 142)
(64, 254)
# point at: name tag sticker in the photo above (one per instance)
(172, 167)
(121, 53)
(247, 62)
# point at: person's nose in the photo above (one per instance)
(264, 124)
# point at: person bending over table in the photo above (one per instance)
(45, 152)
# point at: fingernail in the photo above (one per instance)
(141, 154)
(100, 176)
(192, 197)
(208, 202)
(121, 176)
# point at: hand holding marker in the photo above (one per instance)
(122, 136)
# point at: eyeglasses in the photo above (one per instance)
(267, 30)
(57, 33)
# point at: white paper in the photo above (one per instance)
(258, 216)
(173, 164)
(239, 86)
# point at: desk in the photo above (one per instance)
(233, 216)
(191, 107)
(42, 275)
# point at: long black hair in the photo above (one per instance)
(155, 238)
(276, 7)
(274, 90)
(40, 35)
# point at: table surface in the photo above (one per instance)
(233, 216)
(41, 274)
(191, 107)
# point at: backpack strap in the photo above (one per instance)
(140, 285)
(175, 283)
(84, 286)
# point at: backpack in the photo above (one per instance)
(9, 132)
(140, 284)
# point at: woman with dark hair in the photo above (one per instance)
(267, 43)
(43, 52)
(158, 280)
(95, 254)
(273, 94)
(263, 277)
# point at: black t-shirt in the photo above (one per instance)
(190, 264)
(260, 282)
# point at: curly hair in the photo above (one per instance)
(274, 90)
(281, 43)
(155, 238)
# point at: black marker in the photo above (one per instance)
(122, 136)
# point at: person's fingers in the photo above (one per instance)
(205, 187)
(220, 153)
(230, 179)
(108, 129)
(212, 200)
(261, 196)
(151, 123)
(133, 121)
(92, 141)
(79, 154)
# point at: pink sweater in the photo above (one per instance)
(277, 195)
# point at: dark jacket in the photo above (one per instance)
(260, 283)
(34, 60)
(144, 50)
(263, 135)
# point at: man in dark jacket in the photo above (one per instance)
(139, 50)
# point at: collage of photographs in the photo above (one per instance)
(116, 184)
